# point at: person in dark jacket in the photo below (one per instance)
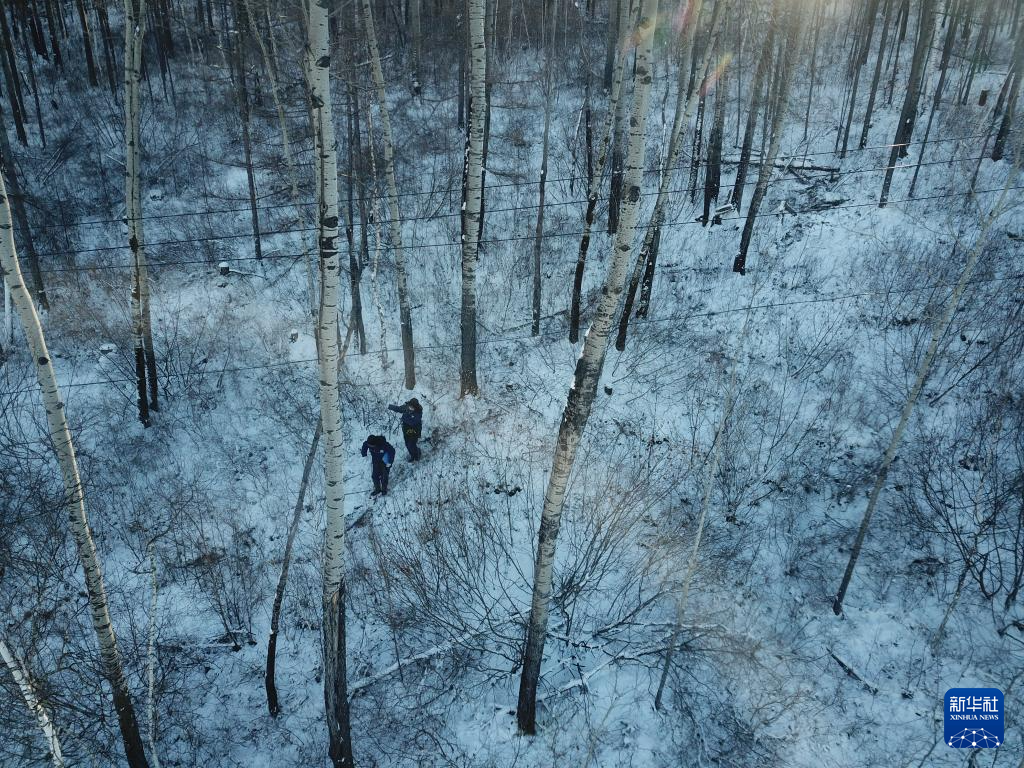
(382, 454)
(412, 425)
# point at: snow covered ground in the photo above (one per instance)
(822, 338)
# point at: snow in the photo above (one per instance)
(839, 296)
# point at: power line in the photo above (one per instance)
(517, 238)
(420, 193)
(553, 333)
(514, 209)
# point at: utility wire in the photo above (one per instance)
(438, 216)
(559, 332)
(546, 236)
(421, 193)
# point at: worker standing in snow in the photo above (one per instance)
(382, 454)
(412, 425)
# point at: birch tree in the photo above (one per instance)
(923, 369)
(318, 65)
(686, 99)
(23, 680)
(74, 496)
(616, 65)
(587, 375)
(404, 309)
(472, 214)
(142, 331)
(17, 197)
(710, 472)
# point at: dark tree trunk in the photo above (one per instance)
(713, 172)
(35, 94)
(947, 50)
(52, 22)
(780, 99)
(999, 148)
(813, 67)
(860, 58)
(896, 49)
(979, 49)
(109, 55)
(355, 266)
(876, 77)
(618, 138)
(539, 234)
(756, 96)
(270, 682)
(698, 142)
(614, 16)
(908, 114)
(11, 80)
(90, 60)
(244, 110)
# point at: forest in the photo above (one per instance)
(511, 383)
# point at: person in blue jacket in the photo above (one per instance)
(412, 425)
(382, 454)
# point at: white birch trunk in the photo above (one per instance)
(24, 682)
(923, 370)
(473, 179)
(684, 109)
(683, 598)
(595, 179)
(318, 64)
(404, 308)
(60, 434)
(587, 375)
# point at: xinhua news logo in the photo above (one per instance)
(974, 718)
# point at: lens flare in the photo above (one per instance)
(715, 75)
